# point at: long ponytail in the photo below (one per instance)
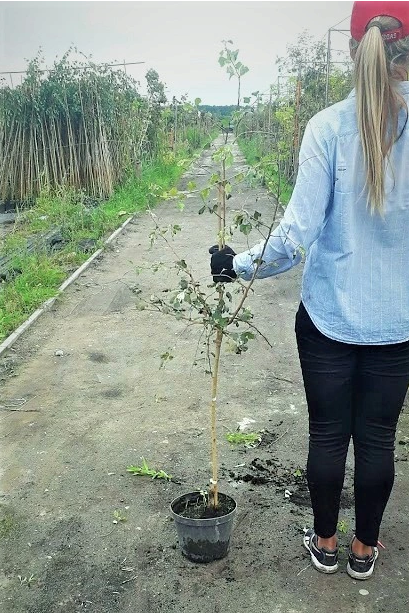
(378, 103)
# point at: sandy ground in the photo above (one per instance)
(104, 404)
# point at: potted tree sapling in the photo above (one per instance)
(204, 518)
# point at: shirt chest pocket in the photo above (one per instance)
(348, 166)
(347, 179)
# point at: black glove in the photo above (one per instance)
(221, 264)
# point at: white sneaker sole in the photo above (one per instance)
(362, 576)
(328, 570)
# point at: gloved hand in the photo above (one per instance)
(221, 264)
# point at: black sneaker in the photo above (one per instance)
(322, 559)
(361, 567)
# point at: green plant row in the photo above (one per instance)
(85, 126)
(266, 170)
(271, 129)
(36, 276)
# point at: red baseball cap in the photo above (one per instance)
(364, 11)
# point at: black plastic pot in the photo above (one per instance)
(203, 540)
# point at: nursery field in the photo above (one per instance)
(83, 397)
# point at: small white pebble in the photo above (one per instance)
(364, 592)
(59, 352)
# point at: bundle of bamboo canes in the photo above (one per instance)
(80, 126)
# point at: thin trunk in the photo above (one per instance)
(214, 490)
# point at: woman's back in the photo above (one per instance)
(360, 258)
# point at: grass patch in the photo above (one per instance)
(20, 297)
(36, 276)
(253, 152)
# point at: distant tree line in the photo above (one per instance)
(219, 111)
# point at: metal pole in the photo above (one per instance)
(328, 67)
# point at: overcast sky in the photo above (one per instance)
(180, 40)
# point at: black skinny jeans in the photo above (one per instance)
(358, 391)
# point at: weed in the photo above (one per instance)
(118, 517)
(343, 526)
(26, 581)
(241, 438)
(145, 471)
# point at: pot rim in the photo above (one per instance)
(204, 521)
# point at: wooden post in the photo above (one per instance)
(296, 137)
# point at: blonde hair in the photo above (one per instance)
(377, 68)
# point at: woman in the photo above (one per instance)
(350, 212)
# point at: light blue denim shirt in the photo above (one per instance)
(355, 283)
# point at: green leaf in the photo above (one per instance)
(173, 192)
(191, 186)
(245, 228)
(246, 100)
(204, 193)
(229, 159)
(246, 315)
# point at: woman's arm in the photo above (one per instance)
(303, 218)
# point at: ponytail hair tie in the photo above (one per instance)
(374, 24)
